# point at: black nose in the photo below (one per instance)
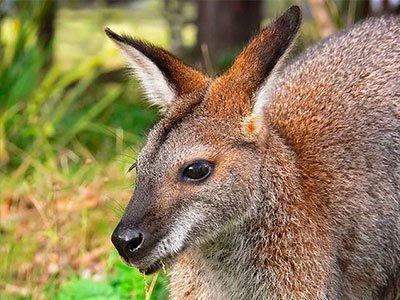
(127, 241)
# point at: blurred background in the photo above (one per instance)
(72, 121)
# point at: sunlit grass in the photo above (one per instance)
(66, 141)
(81, 32)
(58, 227)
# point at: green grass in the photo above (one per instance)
(81, 32)
(66, 141)
(120, 283)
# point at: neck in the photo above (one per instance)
(264, 255)
(227, 261)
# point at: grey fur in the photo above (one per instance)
(310, 208)
(357, 75)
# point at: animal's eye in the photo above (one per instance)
(197, 171)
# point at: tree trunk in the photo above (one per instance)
(175, 19)
(46, 28)
(224, 27)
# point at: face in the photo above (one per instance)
(200, 175)
(191, 185)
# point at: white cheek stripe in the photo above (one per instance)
(178, 232)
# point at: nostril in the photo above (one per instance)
(127, 240)
(135, 243)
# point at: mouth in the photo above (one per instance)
(153, 268)
(156, 255)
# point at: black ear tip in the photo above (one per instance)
(111, 34)
(108, 31)
(294, 11)
(292, 17)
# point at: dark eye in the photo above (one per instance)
(197, 171)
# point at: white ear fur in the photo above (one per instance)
(253, 123)
(156, 87)
(264, 94)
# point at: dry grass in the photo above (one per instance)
(55, 227)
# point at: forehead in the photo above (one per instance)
(194, 137)
(191, 129)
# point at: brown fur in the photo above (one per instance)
(251, 68)
(305, 205)
(184, 78)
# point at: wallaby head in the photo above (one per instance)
(199, 170)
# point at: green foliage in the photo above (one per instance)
(88, 289)
(61, 129)
(45, 112)
(122, 283)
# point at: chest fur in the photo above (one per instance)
(225, 268)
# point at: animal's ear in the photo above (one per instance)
(163, 76)
(242, 89)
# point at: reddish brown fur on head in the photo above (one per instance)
(202, 128)
(233, 92)
(300, 197)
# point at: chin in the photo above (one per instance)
(153, 268)
(153, 264)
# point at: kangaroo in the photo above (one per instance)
(273, 180)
